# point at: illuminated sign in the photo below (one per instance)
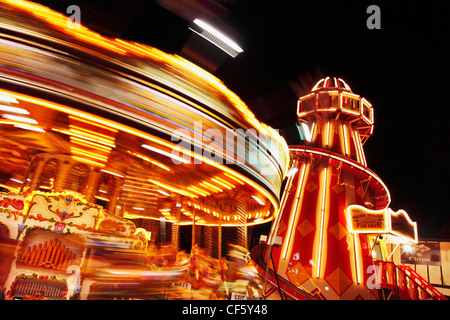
(363, 220)
(397, 224)
(425, 253)
(402, 226)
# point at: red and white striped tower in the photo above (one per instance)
(318, 253)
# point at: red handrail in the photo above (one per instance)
(405, 282)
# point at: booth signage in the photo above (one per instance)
(366, 220)
(425, 253)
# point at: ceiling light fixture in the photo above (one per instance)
(216, 37)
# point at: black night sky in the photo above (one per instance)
(398, 68)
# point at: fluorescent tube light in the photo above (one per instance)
(216, 37)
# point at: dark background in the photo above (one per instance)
(289, 45)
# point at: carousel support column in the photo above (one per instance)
(63, 172)
(209, 240)
(91, 184)
(193, 228)
(34, 185)
(176, 213)
(242, 221)
(118, 184)
(219, 236)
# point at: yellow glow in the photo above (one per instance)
(93, 123)
(234, 178)
(130, 47)
(173, 61)
(157, 163)
(221, 183)
(207, 184)
(349, 111)
(83, 136)
(173, 189)
(313, 132)
(361, 150)
(382, 229)
(295, 213)
(359, 156)
(357, 247)
(344, 132)
(351, 95)
(147, 234)
(93, 133)
(84, 160)
(226, 182)
(95, 39)
(317, 84)
(13, 190)
(327, 143)
(88, 154)
(258, 200)
(342, 159)
(108, 123)
(199, 191)
(102, 198)
(89, 144)
(92, 137)
(322, 218)
(412, 223)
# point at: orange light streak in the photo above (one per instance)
(108, 123)
(100, 125)
(88, 154)
(322, 218)
(293, 218)
(89, 144)
(234, 178)
(221, 183)
(84, 160)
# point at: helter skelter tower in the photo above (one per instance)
(318, 252)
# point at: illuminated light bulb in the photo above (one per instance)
(216, 37)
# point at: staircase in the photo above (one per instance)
(404, 283)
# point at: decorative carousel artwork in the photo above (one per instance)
(62, 212)
(11, 214)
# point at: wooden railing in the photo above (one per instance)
(405, 282)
